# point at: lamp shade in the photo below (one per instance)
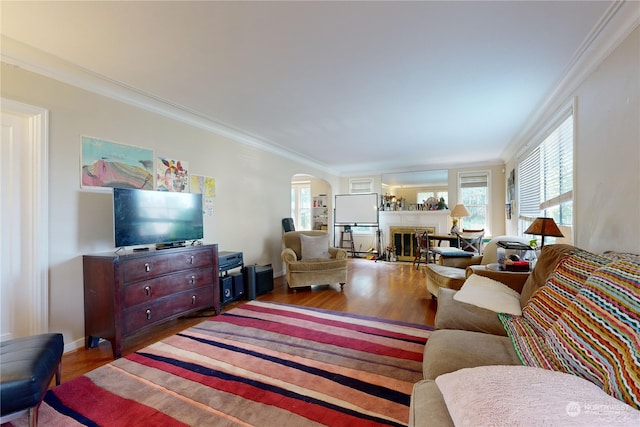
(544, 227)
(460, 211)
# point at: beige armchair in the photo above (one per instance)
(309, 260)
(451, 272)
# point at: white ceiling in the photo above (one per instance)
(354, 86)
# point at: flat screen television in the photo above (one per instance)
(143, 217)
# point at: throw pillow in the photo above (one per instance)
(598, 336)
(490, 294)
(548, 302)
(451, 252)
(314, 247)
(521, 395)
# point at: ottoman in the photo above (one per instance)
(27, 366)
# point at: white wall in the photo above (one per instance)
(607, 153)
(253, 186)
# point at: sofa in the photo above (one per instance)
(570, 358)
(310, 260)
(450, 271)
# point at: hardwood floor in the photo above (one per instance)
(394, 291)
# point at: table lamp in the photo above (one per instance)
(544, 227)
(458, 212)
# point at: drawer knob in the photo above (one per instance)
(193, 299)
(191, 260)
(148, 314)
(147, 290)
(192, 280)
(147, 267)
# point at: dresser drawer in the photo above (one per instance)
(152, 289)
(149, 267)
(143, 315)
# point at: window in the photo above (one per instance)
(546, 177)
(473, 192)
(301, 205)
(361, 185)
(424, 195)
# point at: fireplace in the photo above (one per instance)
(401, 227)
(404, 242)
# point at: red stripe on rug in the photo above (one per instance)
(341, 324)
(105, 408)
(322, 337)
(308, 410)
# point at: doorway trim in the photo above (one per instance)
(37, 197)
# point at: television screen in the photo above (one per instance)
(145, 217)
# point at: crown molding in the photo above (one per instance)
(31, 59)
(620, 19)
(617, 23)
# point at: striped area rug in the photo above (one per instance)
(260, 364)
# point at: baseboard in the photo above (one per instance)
(74, 345)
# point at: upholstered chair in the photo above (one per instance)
(451, 271)
(310, 260)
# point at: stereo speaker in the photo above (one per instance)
(250, 281)
(258, 280)
(238, 285)
(226, 289)
(264, 279)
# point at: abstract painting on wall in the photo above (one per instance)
(107, 164)
(172, 175)
(206, 186)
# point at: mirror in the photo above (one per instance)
(405, 188)
(431, 178)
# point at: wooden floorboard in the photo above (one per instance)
(395, 291)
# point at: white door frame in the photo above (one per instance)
(36, 196)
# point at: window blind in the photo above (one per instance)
(473, 181)
(361, 185)
(529, 173)
(546, 173)
(473, 192)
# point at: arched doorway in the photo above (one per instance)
(311, 203)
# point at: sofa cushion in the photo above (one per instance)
(428, 407)
(598, 336)
(452, 314)
(529, 344)
(490, 294)
(522, 395)
(548, 260)
(314, 247)
(621, 256)
(548, 302)
(513, 279)
(319, 266)
(450, 350)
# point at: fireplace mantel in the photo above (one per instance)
(440, 220)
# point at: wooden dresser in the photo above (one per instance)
(124, 294)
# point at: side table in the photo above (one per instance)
(496, 267)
